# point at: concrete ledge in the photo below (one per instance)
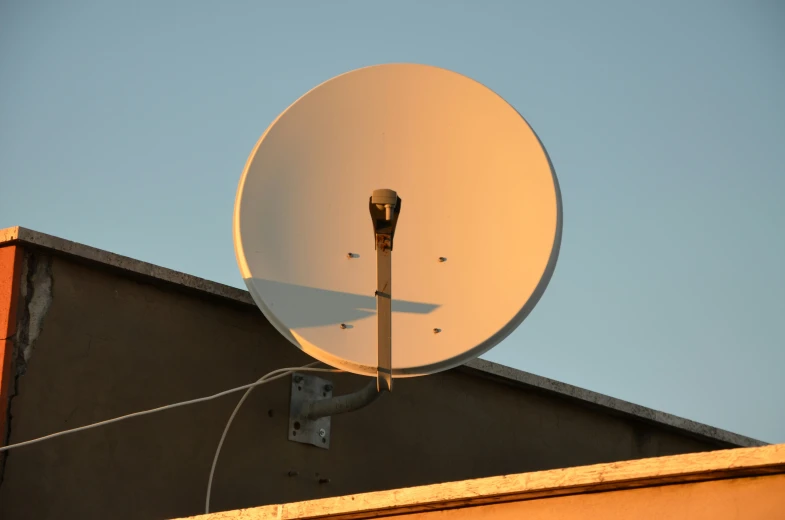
(480, 367)
(637, 474)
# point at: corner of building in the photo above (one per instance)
(10, 281)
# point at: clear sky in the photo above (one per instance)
(126, 125)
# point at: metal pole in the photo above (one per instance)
(385, 206)
(384, 311)
(341, 404)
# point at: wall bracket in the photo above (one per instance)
(312, 404)
(307, 389)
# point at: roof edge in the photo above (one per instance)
(509, 374)
(124, 263)
(490, 369)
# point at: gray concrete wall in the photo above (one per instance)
(99, 343)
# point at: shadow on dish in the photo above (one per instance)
(299, 306)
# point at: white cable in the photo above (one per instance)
(229, 424)
(269, 377)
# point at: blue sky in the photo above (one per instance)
(126, 125)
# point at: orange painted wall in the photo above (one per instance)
(10, 274)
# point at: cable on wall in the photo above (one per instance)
(305, 368)
(275, 374)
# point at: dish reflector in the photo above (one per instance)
(477, 237)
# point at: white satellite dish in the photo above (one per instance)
(478, 213)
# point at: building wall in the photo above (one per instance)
(95, 343)
(10, 277)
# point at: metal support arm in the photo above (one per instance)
(385, 206)
(342, 403)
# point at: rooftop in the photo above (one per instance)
(479, 367)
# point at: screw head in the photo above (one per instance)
(343, 325)
(442, 259)
(322, 433)
(436, 331)
(349, 255)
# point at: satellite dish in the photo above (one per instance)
(422, 155)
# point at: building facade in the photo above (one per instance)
(89, 335)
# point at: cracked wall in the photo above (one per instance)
(11, 258)
(32, 296)
(95, 343)
(35, 294)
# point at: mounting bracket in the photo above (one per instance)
(385, 207)
(305, 390)
(312, 404)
